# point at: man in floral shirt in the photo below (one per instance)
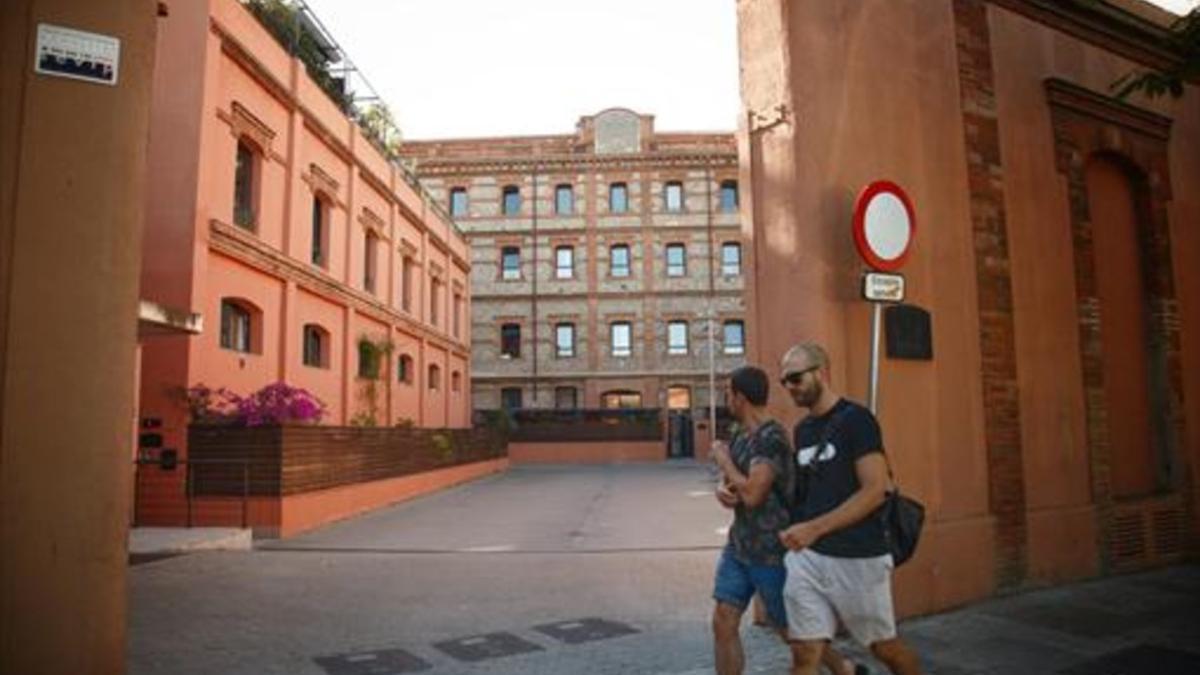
(757, 482)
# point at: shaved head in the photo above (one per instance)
(802, 357)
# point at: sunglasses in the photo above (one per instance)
(795, 378)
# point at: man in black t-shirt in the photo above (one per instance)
(838, 565)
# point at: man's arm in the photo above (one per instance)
(752, 488)
(871, 470)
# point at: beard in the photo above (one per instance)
(808, 396)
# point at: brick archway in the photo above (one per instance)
(1148, 530)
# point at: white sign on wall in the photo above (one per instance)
(79, 55)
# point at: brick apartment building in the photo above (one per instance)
(596, 258)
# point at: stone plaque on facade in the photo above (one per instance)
(617, 131)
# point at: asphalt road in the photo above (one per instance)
(596, 570)
(631, 549)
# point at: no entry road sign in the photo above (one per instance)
(884, 225)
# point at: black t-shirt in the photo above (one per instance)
(824, 485)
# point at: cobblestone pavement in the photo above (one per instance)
(559, 570)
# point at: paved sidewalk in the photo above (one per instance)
(1143, 624)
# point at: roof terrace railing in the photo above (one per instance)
(297, 29)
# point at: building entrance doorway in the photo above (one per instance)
(680, 435)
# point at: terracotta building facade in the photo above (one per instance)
(273, 216)
(597, 260)
(1055, 432)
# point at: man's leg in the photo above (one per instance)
(727, 643)
(806, 656)
(897, 656)
(835, 662)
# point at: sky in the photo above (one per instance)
(471, 68)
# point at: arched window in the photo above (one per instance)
(511, 204)
(729, 196)
(241, 326)
(404, 369)
(435, 376)
(621, 398)
(316, 346)
(618, 198)
(564, 200)
(456, 381)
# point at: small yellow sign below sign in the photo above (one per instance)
(880, 287)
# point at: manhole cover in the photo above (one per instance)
(484, 647)
(585, 630)
(383, 662)
(1140, 660)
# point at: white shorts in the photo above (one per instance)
(821, 589)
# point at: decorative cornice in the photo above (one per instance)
(440, 166)
(1063, 95)
(480, 298)
(244, 247)
(615, 374)
(1103, 25)
(371, 221)
(320, 181)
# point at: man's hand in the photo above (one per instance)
(720, 454)
(800, 535)
(726, 496)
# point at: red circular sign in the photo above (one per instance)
(885, 225)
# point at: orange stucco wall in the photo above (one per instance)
(868, 102)
(587, 452)
(865, 101)
(292, 515)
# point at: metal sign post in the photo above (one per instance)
(884, 227)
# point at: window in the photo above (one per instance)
(677, 337)
(621, 333)
(620, 399)
(565, 398)
(510, 398)
(244, 180)
(404, 369)
(370, 253)
(511, 205)
(673, 196)
(564, 340)
(618, 261)
(564, 200)
(457, 318)
(368, 359)
(435, 376)
(729, 196)
(564, 262)
(735, 337)
(731, 259)
(236, 325)
(676, 260)
(435, 301)
(320, 232)
(456, 381)
(679, 397)
(510, 263)
(510, 341)
(406, 283)
(458, 202)
(618, 198)
(316, 346)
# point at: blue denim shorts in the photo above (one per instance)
(736, 582)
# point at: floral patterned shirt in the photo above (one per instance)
(754, 536)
